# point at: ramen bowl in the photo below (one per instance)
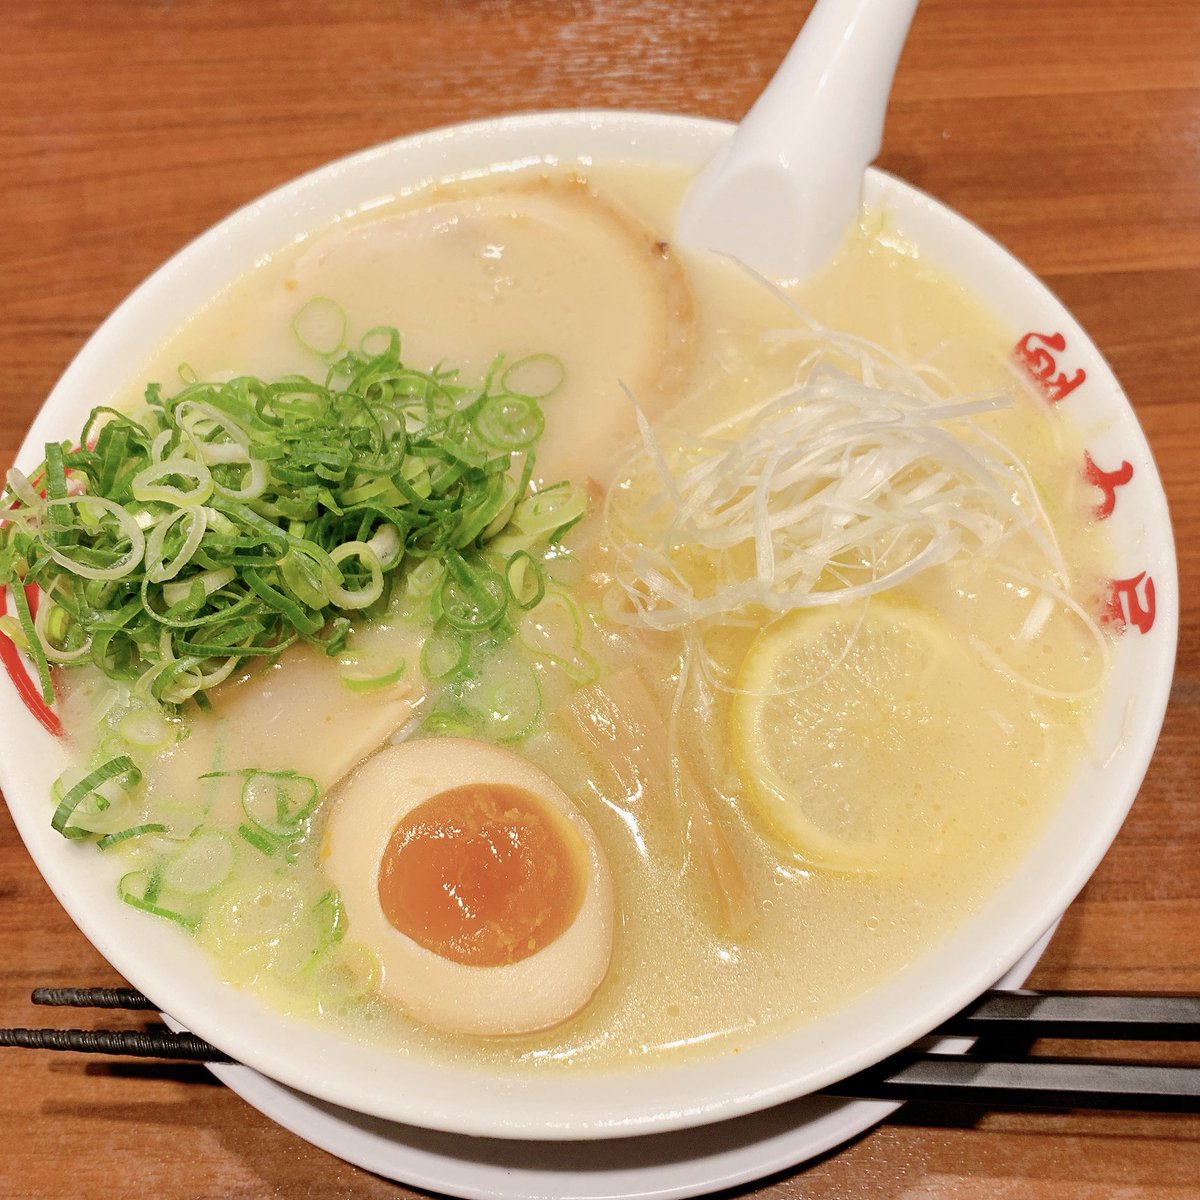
(597, 1103)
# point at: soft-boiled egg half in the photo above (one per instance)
(479, 885)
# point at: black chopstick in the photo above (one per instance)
(991, 1079)
(1146, 1016)
(156, 1042)
(1029, 1082)
(978, 1078)
(135, 1043)
(91, 997)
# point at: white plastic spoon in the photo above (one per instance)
(787, 190)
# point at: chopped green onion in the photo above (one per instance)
(262, 512)
(140, 889)
(372, 683)
(443, 655)
(145, 728)
(99, 555)
(535, 377)
(554, 633)
(320, 326)
(204, 863)
(550, 512)
(33, 644)
(275, 802)
(121, 769)
(510, 422)
(513, 707)
(525, 579)
(330, 918)
(361, 597)
(113, 839)
(474, 602)
(158, 569)
(152, 483)
(259, 840)
(59, 634)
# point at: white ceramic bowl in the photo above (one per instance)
(174, 973)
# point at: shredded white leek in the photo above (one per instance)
(827, 492)
(860, 475)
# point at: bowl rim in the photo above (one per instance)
(623, 1101)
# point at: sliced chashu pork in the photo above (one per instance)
(295, 715)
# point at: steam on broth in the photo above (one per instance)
(771, 540)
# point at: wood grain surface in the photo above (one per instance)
(1069, 129)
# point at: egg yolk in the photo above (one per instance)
(482, 874)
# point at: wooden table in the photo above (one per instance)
(1069, 129)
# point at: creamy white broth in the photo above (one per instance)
(577, 270)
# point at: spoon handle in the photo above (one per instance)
(786, 191)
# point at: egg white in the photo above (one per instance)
(538, 991)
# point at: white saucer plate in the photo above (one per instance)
(663, 1166)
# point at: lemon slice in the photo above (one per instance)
(853, 729)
